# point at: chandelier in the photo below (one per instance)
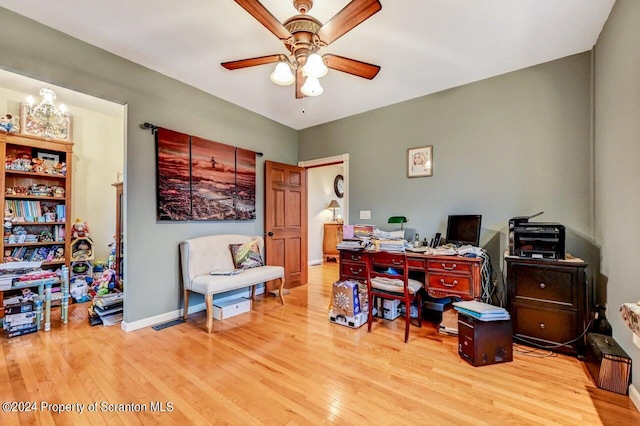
(46, 119)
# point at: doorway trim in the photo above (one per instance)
(326, 161)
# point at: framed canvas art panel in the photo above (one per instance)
(245, 203)
(173, 175)
(213, 180)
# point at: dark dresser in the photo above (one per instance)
(549, 302)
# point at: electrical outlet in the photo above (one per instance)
(365, 214)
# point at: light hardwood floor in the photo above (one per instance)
(288, 365)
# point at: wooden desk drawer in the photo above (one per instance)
(450, 283)
(388, 259)
(416, 264)
(356, 271)
(353, 256)
(546, 325)
(453, 265)
(544, 284)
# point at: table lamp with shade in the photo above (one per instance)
(398, 219)
(333, 205)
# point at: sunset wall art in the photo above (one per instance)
(199, 179)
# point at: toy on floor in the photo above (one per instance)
(106, 282)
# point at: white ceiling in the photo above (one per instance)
(422, 46)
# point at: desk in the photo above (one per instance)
(443, 276)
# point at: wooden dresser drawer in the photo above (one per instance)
(357, 271)
(546, 285)
(450, 283)
(453, 265)
(544, 325)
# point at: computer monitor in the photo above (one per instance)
(464, 229)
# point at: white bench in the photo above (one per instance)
(199, 256)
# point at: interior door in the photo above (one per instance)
(286, 220)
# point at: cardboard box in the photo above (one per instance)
(19, 308)
(230, 308)
(352, 322)
(390, 308)
(21, 332)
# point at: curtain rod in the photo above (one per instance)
(155, 128)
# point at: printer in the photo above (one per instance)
(537, 240)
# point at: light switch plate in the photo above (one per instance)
(365, 214)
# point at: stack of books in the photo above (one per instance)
(109, 308)
(394, 245)
(20, 319)
(351, 244)
(481, 311)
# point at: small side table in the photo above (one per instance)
(332, 236)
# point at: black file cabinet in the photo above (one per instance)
(549, 302)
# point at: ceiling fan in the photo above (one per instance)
(303, 35)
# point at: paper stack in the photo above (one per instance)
(481, 311)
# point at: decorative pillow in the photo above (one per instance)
(246, 255)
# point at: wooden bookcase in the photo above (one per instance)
(31, 191)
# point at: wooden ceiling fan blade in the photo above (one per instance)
(299, 83)
(351, 66)
(348, 18)
(258, 11)
(251, 62)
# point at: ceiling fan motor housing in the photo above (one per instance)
(303, 28)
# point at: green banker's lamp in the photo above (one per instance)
(398, 219)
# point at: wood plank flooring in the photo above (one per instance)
(287, 365)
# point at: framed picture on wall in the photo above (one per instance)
(420, 161)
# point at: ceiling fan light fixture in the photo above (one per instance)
(311, 87)
(315, 67)
(282, 75)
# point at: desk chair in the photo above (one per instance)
(389, 279)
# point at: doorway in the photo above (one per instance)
(321, 174)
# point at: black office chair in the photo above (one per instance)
(388, 278)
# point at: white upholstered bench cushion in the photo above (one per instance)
(212, 284)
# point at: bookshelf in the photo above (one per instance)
(35, 192)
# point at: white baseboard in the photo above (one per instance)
(168, 316)
(315, 262)
(634, 394)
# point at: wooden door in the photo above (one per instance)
(285, 224)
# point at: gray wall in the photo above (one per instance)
(152, 278)
(617, 136)
(507, 146)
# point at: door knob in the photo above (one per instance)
(270, 234)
